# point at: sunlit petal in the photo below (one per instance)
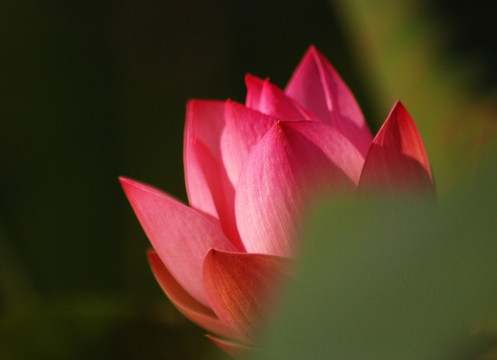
(180, 235)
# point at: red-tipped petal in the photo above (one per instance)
(242, 287)
(291, 164)
(397, 158)
(184, 302)
(231, 348)
(244, 128)
(317, 86)
(180, 235)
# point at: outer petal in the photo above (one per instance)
(205, 121)
(397, 158)
(254, 90)
(180, 235)
(207, 184)
(210, 190)
(231, 348)
(291, 164)
(184, 302)
(318, 87)
(241, 287)
(269, 99)
(204, 125)
(244, 128)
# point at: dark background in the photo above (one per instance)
(97, 89)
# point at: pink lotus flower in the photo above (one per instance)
(250, 170)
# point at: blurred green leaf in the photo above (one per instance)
(404, 278)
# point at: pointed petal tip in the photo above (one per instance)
(129, 181)
(210, 253)
(317, 86)
(312, 50)
(397, 159)
(123, 179)
(398, 106)
(129, 184)
(213, 255)
(230, 105)
(180, 240)
(252, 79)
(282, 127)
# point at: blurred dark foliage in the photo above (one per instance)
(97, 89)
(473, 29)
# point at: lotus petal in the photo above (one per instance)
(254, 90)
(231, 348)
(397, 158)
(180, 235)
(269, 99)
(317, 86)
(244, 128)
(207, 183)
(183, 301)
(293, 162)
(210, 190)
(201, 155)
(241, 287)
(205, 122)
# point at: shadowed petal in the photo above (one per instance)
(205, 121)
(397, 158)
(254, 89)
(207, 183)
(210, 190)
(201, 154)
(317, 86)
(184, 302)
(291, 164)
(241, 287)
(202, 177)
(180, 235)
(244, 128)
(231, 348)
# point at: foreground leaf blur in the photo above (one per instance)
(395, 278)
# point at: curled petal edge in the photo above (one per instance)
(184, 302)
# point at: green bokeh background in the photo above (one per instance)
(93, 90)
